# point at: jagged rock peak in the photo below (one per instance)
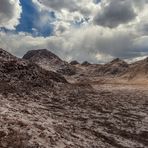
(42, 53)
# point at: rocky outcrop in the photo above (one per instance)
(4, 55)
(39, 54)
(137, 70)
(74, 62)
(39, 109)
(114, 68)
(18, 74)
(85, 63)
(49, 61)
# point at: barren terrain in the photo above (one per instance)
(109, 116)
(42, 109)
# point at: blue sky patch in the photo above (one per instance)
(32, 21)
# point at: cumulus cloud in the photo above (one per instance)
(69, 11)
(10, 11)
(83, 6)
(80, 44)
(125, 36)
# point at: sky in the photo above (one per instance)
(85, 30)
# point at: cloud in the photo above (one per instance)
(75, 35)
(82, 6)
(10, 11)
(115, 12)
(91, 43)
(69, 11)
(58, 5)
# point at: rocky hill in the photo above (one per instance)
(18, 74)
(116, 68)
(40, 109)
(113, 68)
(49, 61)
(4, 55)
(137, 70)
(74, 62)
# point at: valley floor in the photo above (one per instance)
(108, 116)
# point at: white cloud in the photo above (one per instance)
(10, 11)
(68, 11)
(83, 6)
(92, 43)
(126, 39)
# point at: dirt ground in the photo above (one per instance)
(88, 106)
(105, 116)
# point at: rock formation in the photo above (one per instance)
(74, 62)
(49, 61)
(39, 108)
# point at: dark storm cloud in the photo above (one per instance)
(115, 13)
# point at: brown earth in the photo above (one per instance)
(85, 111)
